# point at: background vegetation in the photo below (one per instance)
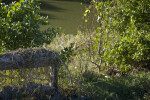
(109, 60)
(122, 38)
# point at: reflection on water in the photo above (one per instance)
(67, 14)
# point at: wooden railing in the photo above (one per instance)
(31, 58)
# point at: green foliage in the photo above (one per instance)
(19, 26)
(67, 52)
(123, 33)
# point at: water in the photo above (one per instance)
(67, 14)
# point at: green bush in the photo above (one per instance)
(20, 26)
(123, 37)
(67, 52)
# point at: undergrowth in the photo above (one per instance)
(88, 81)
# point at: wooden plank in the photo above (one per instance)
(32, 58)
(29, 58)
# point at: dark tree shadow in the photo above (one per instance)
(44, 5)
(122, 88)
(47, 6)
(9, 1)
(83, 1)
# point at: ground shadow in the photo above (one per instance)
(121, 88)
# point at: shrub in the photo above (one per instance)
(20, 26)
(123, 38)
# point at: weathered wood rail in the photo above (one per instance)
(31, 58)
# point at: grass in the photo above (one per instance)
(87, 81)
(98, 87)
(131, 87)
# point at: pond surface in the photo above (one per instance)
(67, 14)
